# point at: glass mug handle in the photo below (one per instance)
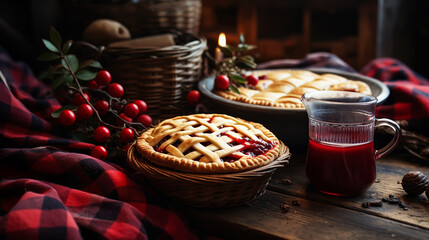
(394, 142)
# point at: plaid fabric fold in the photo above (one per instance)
(315, 60)
(409, 92)
(51, 189)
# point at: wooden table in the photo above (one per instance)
(320, 216)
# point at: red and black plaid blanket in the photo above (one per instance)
(51, 189)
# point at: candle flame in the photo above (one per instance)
(222, 40)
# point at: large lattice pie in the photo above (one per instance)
(284, 88)
(208, 143)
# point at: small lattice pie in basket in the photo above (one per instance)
(208, 160)
(208, 143)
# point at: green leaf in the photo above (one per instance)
(72, 61)
(85, 75)
(245, 65)
(68, 78)
(58, 70)
(48, 56)
(61, 79)
(227, 51)
(247, 58)
(242, 47)
(241, 38)
(85, 64)
(245, 62)
(51, 47)
(55, 37)
(58, 82)
(96, 64)
(237, 78)
(66, 46)
(57, 113)
(233, 89)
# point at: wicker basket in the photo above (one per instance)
(161, 76)
(139, 17)
(207, 190)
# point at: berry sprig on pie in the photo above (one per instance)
(208, 143)
(284, 88)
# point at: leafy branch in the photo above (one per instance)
(236, 62)
(69, 73)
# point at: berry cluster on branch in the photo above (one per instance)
(231, 71)
(93, 106)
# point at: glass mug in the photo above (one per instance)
(341, 155)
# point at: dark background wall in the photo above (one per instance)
(402, 28)
(23, 23)
(403, 32)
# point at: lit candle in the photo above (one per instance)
(222, 43)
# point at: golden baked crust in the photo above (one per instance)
(208, 143)
(352, 86)
(284, 88)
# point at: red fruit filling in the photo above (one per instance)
(158, 148)
(250, 147)
(211, 119)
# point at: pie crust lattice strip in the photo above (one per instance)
(208, 143)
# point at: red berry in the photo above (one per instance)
(145, 119)
(193, 97)
(252, 80)
(67, 117)
(142, 106)
(102, 107)
(99, 152)
(115, 90)
(101, 134)
(222, 82)
(78, 99)
(103, 77)
(262, 77)
(84, 111)
(93, 84)
(125, 117)
(131, 110)
(126, 135)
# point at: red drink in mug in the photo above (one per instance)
(341, 155)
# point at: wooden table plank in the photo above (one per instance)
(321, 216)
(389, 175)
(263, 219)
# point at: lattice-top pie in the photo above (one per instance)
(208, 143)
(284, 88)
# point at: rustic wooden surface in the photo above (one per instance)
(321, 216)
